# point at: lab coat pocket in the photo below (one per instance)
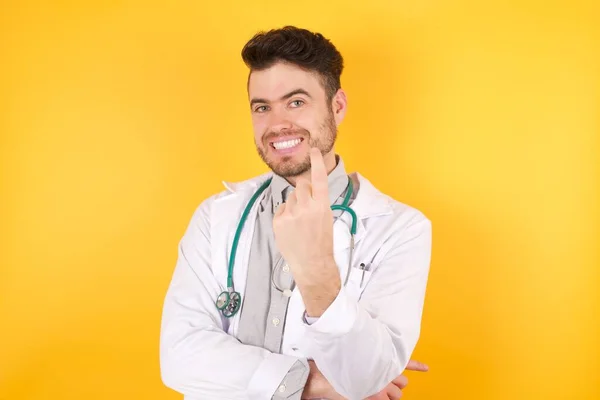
(359, 278)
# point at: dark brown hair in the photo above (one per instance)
(307, 50)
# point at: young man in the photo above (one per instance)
(278, 293)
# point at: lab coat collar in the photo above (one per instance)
(369, 201)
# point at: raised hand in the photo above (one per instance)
(303, 228)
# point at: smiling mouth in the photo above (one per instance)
(286, 144)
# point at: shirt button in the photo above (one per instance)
(281, 388)
(286, 268)
(276, 321)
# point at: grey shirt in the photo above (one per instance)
(263, 312)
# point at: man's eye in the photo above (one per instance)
(261, 109)
(297, 103)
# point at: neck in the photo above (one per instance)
(330, 165)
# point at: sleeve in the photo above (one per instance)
(361, 346)
(292, 385)
(197, 357)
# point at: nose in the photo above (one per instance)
(279, 121)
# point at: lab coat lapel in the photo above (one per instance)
(368, 203)
(226, 213)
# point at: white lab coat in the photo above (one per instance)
(362, 341)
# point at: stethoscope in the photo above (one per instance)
(229, 301)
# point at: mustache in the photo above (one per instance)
(274, 135)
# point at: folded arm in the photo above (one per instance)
(197, 357)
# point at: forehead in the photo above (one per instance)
(280, 79)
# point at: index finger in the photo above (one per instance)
(318, 176)
(414, 365)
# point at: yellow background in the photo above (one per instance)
(118, 118)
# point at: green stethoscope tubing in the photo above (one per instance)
(229, 301)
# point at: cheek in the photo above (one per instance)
(307, 120)
(316, 125)
(260, 128)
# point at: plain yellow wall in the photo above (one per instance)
(118, 118)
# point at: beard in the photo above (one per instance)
(288, 167)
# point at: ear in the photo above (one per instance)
(339, 105)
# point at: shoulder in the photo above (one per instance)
(233, 193)
(392, 217)
(379, 202)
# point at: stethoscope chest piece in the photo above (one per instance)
(229, 303)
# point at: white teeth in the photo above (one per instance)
(287, 144)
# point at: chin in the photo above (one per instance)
(290, 169)
(287, 166)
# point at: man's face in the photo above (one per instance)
(291, 114)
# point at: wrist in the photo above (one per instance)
(317, 299)
(319, 285)
(318, 274)
(316, 384)
(318, 387)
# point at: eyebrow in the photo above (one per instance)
(284, 97)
